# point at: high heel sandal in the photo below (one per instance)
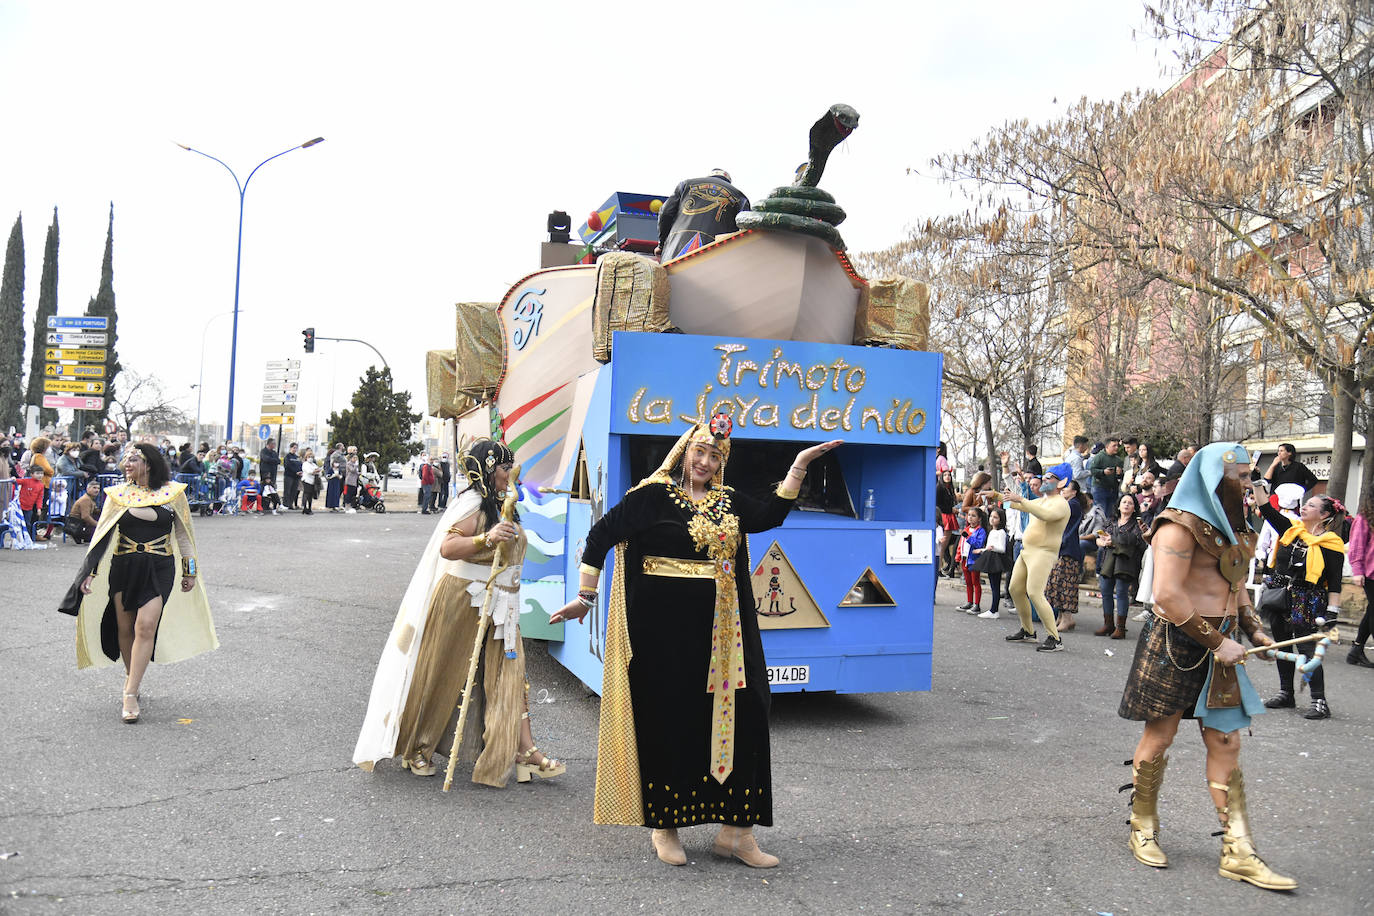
(130, 717)
(546, 768)
(419, 767)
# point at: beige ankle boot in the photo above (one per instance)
(739, 843)
(668, 847)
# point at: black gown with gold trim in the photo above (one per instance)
(670, 619)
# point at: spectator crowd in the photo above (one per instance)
(1117, 490)
(52, 484)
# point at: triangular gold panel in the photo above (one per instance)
(781, 598)
(867, 591)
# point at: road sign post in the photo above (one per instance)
(72, 386)
(69, 370)
(73, 402)
(78, 322)
(77, 339)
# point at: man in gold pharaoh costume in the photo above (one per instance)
(1186, 659)
(684, 702)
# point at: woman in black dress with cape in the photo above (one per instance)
(684, 703)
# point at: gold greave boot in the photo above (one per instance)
(1239, 861)
(1148, 776)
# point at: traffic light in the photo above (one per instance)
(309, 335)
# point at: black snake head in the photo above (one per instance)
(845, 119)
(837, 123)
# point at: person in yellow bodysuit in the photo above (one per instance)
(1039, 552)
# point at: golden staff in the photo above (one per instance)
(483, 619)
(1334, 634)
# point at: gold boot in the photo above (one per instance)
(1148, 776)
(1239, 861)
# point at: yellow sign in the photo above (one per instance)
(276, 421)
(85, 356)
(79, 387)
(77, 370)
(781, 599)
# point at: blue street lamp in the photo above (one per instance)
(238, 264)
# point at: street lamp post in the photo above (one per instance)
(200, 385)
(238, 262)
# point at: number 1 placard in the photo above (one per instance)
(910, 545)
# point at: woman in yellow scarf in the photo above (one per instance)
(1309, 561)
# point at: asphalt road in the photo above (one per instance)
(995, 792)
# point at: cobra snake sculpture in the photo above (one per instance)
(801, 206)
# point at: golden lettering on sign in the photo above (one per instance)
(900, 417)
(659, 410)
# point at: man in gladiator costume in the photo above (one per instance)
(1202, 550)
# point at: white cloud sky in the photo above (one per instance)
(452, 130)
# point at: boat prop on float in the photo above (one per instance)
(582, 367)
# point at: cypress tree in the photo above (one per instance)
(47, 306)
(103, 305)
(12, 328)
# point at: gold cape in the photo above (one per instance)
(186, 628)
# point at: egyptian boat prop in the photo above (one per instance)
(589, 372)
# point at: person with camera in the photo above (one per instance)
(1304, 577)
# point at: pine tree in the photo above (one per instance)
(47, 306)
(380, 420)
(103, 305)
(12, 328)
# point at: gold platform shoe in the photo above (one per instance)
(1239, 861)
(1147, 777)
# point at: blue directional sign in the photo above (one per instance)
(264, 432)
(78, 321)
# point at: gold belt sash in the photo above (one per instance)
(680, 569)
(161, 547)
(726, 673)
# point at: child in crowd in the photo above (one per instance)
(250, 494)
(85, 514)
(271, 502)
(31, 495)
(974, 536)
(995, 559)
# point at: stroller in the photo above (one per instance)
(370, 494)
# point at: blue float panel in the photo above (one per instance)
(884, 403)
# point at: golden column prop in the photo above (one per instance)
(499, 563)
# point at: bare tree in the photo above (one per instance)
(1245, 188)
(991, 316)
(141, 402)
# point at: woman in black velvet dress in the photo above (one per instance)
(684, 710)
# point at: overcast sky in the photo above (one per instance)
(452, 130)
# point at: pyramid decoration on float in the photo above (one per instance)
(781, 599)
(868, 591)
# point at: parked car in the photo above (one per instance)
(394, 471)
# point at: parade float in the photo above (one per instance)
(589, 371)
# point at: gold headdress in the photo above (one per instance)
(715, 434)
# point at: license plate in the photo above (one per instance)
(789, 674)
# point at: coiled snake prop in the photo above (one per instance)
(803, 207)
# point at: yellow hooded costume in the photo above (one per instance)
(186, 628)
